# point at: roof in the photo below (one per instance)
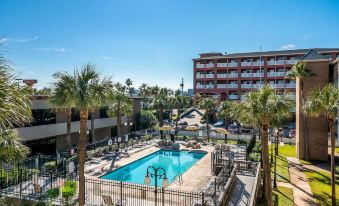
(313, 55)
(269, 53)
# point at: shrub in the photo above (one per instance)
(69, 190)
(50, 166)
(53, 193)
(254, 156)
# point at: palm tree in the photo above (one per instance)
(120, 104)
(161, 102)
(87, 82)
(129, 84)
(11, 148)
(326, 102)
(227, 111)
(14, 103)
(180, 102)
(299, 72)
(262, 105)
(208, 105)
(62, 98)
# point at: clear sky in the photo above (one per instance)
(154, 41)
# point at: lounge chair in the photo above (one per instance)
(37, 189)
(109, 201)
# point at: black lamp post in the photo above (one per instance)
(276, 135)
(156, 174)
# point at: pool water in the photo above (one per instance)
(174, 162)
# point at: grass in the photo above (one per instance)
(282, 197)
(320, 183)
(337, 149)
(282, 164)
(229, 141)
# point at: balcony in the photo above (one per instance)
(276, 74)
(232, 75)
(221, 86)
(258, 63)
(200, 76)
(246, 74)
(246, 64)
(209, 86)
(221, 75)
(209, 65)
(290, 85)
(279, 62)
(242, 97)
(209, 75)
(233, 96)
(199, 86)
(246, 86)
(258, 74)
(292, 61)
(257, 86)
(232, 64)
(277, 86)
(232, 86)
(221, 64)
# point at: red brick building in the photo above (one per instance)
(229, 76)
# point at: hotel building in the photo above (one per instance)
(230, 76)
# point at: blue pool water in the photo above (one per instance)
(174, 162)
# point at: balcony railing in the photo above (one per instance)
(246, 74)
(232, 64)
(290, 85)
(233, 96)
(278, 62)
(277, 85)
(200, 76)
(258, 74)
(232, 85)
(199, 86)
(276, 74)
(232, 75)
(221, 75)
(221, 86)
(292, 61)
(209, 75)
(209, 65)
(244, 64)
(246, 86)
(258, 63)
(209, 86)
(221, 64)
(257, 86)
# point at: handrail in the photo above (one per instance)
(255, 186)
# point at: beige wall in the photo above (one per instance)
(317, 127)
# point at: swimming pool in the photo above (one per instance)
(174, 162)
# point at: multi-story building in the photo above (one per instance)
(230, 76)
(46, 133)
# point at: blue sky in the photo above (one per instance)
(153, 41)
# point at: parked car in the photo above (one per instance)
(291, 134)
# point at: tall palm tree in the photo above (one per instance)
(161, 102)
(326, 102)
(227, 111)
(14, 103)
(299, 73)
(208, 105)
(87, 82)
(180, 102)
(129, 88)
(262, 105)
(120, 104)
(62, 98)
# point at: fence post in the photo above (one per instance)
(120, 192)
(50, 176)
(20, 177)
(203, 199)
(163, 196)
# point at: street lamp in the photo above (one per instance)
(156, 174)
(276, 135)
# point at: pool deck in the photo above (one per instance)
(194, 179)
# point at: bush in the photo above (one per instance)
(69, 190)
(147, 119)
(254, 156)
(50, 166)
(53, 193)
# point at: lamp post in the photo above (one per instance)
(156, 174)
(276, 135)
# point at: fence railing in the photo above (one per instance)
(256, 187)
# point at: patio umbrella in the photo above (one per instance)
(222, 131)
(166, 128)
(192, 128)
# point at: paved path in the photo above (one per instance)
(302, 192)
(241, 191)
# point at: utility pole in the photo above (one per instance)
(182, 86)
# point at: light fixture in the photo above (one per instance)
(130, 123)
(165, 182)
(147, 180)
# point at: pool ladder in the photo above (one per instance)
(177, 179)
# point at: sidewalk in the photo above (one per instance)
(302, 192)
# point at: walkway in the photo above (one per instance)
(241, 191)
(302, 192)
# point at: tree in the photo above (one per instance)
(227, 111)
(262, 105)
(299, 72)
(87, 82)
(326, 102)
(11, 148)
(208, 105)
(180, 102)
(147, 119)
(161, 102)
(120, 104)
(129, 88)
(62, 98)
